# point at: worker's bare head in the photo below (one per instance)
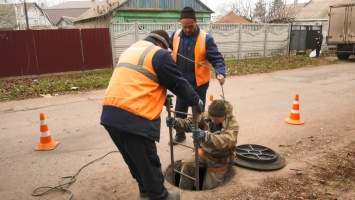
(188, 20)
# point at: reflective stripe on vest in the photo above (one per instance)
(134, 85)
(202, 71)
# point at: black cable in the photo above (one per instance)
(64, 186)
(203, 65)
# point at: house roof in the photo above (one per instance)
(68, 20)
(318, 9)
(73, 4)
(101, 9)
(107, 6)
(232, 17)
(69, 9)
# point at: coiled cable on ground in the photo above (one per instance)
(64, 186)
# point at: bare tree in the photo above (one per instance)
(281, 12)
(222, 10)
(243, 8)
(7, 16)
(275, 5)
(259, 14)
(104, 11)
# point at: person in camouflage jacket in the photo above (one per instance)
(217, 134)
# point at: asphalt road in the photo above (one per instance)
(261, 103)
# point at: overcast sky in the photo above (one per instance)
(213, 4)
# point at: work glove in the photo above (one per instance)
(200, 107)
(198, 135)
(170, 121)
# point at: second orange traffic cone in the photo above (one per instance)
(46, 142)
(210, 101)
(295, 117)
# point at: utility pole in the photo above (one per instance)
(25, 5)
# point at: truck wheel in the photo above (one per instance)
(343, 56)
(346, 56)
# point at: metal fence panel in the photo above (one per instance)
(58, 50)
(32, 52)
(302, 37)
(17, 54)
(96, 48)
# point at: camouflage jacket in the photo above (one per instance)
(219, 143)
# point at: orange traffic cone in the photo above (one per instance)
(210, 101)
(295, 113)
(46, 142)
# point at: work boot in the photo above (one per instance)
(179, 137)
(143, 194)
(173, 195)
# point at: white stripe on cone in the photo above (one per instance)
(45, 134)
(295, 111)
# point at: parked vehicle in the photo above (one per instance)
(341, 30)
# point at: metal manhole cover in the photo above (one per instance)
(258, 157)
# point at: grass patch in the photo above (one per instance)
(270, 64)
(56, 84)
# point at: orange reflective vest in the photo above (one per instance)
(202, 71)
(134, 85)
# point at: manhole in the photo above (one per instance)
(178, 164)
(258, 157)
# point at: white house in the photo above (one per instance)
(13, 17)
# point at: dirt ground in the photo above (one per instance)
(319, 154)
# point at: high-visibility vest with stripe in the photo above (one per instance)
(134, 85)
(202, 71)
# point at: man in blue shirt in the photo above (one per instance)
(193, 51)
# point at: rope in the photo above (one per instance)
(64, 186)
(215, 71)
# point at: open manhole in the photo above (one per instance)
(258, 157)
(178, 164)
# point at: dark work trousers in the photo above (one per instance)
(181, 106)
(318, 49)
(140, 154)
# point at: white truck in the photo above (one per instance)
(341, 30)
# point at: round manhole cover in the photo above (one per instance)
(258, 157)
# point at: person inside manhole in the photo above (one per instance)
(217, 134)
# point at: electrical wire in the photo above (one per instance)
(203, 65)
(64, 186)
